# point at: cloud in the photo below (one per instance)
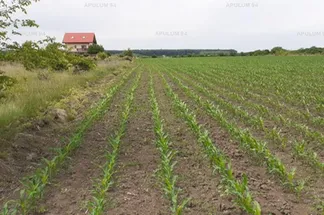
(239, 24)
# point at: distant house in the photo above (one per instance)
(79, 42)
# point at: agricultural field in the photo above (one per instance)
(213, 135)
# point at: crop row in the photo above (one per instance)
(272, 81)
(34, 185)
(247, 141)
(289, 111)
(224, 84)
(162, 142)
(101, 187)
(300, 149)
(221, 164)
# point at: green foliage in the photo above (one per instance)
(51, 56)
(8, 23)
(279, 51)
(97, 205)
(221, 164)
(34, 185)
(5, 83)
(127, 53)
(102, 55)
(168, 178)
(95, 49)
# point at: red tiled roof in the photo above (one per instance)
(79, 38)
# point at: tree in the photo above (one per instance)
(278, 51)
(128, 53)
(95, 49)
(8, 24)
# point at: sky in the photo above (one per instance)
(183, 24)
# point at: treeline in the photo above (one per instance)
(177, 52)
(277, 51)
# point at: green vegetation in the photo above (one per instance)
(97, 205)
(37, 56)
(272, 106)
(102, 55)
(34, 186)
(258, 122)
(127, 53)
(221, 164)
(25, 93)
(11, 25)
(95, 49)
(166, 153)
(177, 53)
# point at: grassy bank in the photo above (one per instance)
(35, 90)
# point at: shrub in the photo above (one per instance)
(52, 57)
(82, 63)
(5, 83)
(127, 53)
(102, 55)
(95, 49)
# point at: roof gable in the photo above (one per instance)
(79, 38)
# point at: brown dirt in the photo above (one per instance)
(193, 169)
(71, 190)
(266, 189)
(314, 179)
(38, 140)
(136, 190)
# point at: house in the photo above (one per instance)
(79, 42)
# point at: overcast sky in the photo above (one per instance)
(179, 24)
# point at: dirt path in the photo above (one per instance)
(136, 191)
(71, 189)
(193, 169)
(267, 191)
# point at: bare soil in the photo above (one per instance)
(38, 141)
(71, 190)
(136, 189)
(196, 179)
(267, 190)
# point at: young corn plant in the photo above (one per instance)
(306, 155)
(166, 154)
(34, 186)
(97, 204)
(238, 189)
(274, 134)
(247, 141)
(307, 133)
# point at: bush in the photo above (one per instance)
(127, 53)
(52, 57)
(102, 55)
(82, 63)
(95, 49)
(5, 83)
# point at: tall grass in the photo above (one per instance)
(37, 89)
